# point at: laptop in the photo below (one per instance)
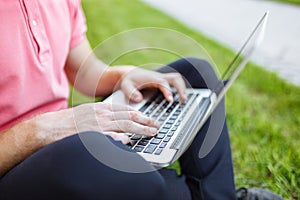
(180, 121)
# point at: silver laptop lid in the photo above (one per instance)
(232, 72)
(242, 57)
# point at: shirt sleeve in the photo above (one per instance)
(78, 23)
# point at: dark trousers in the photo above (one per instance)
(67, 170)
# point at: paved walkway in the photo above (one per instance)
(230, 21)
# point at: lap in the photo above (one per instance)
(68, 170)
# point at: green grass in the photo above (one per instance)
(295, 2)
(263, 111)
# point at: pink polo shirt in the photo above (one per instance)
(35, 38)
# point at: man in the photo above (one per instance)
(41, 155)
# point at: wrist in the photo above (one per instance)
(53, 126)
(119, 72)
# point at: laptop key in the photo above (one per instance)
(163, 131)
(135, 137)
(145, 107)
(150, 148)
(167, 126)
(174, 117)
(138, 148)
(155, 141)
(155, 116)
(143, 143)
(163, 118)
(174, 128)
(132, 143)
(167, 139)
(163, 145)
(170, 121)
(158, 151)
(160, 136)
(171, 133)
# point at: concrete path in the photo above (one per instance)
(230, 22)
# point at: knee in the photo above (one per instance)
(199, 66)
(197, 62)
(198, 73)
(193, 63)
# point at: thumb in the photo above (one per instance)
(131, 92)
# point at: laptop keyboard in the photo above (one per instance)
(169, 115)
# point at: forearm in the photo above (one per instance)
(27, 137)
(16, 144)
(90, 75)
(98, 79)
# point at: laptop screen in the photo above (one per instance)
(242, 57)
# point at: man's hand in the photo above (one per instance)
(138, 79)
(93, 77)
(112, 120)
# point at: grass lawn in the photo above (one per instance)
(296, 2)
(263, 111)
